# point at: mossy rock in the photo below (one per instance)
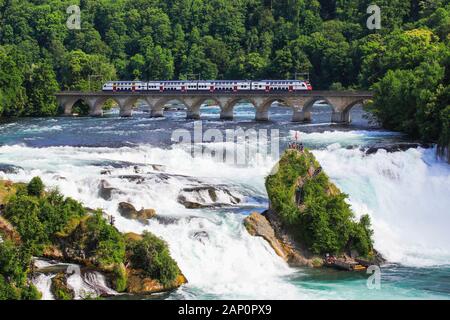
(7, 189)
(313, 209)
(119, 278)
(60, 289)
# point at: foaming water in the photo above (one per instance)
(405, 193)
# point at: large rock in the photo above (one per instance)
(60, 288)
(298, 183)
(258, 226)
(396, 147)
(9, 168)
(207, 197)
(268, 227)
(127, 210)
(139, 284)
(105, 190)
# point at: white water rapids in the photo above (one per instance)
(405, 193)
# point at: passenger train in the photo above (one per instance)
(208, 86)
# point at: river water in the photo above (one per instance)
(405, 193)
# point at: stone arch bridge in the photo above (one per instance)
(300, 102)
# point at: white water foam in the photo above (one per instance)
(406, 194)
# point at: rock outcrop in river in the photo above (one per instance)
(308, 217)
(62, 231)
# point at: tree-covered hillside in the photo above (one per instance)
(406, 62)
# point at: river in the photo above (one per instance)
(405, 193)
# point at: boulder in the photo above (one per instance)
(60, 289)
(127, 210)
(201, 236)
(157, 167)
(207, 197)
(258, 226)
(105, 190)
(395, 147)
(287, 190)
(138, 179)
(139, 284)
(9, 168)
(269, 227)
(52, 252)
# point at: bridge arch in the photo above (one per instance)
(228, 107)
(353, 104)
(264, 109)
(196, 107)
(157, 105)
(269, 102)
(87, 104)
(307, 108)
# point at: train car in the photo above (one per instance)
(206, 86)
(191, 85)
(155, 86)
(125, 86)
(174, 86)
(281, 85)
(225, 86)
(231, 85)
(260, 86)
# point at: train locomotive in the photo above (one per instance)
(208, 86)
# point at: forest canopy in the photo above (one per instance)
(406, 62)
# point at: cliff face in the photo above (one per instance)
(308, 216)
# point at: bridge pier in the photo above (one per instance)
(262, 115)
(340, 117)
(126, 112)
(193, 114)
(96, 111)
(301, 116)
(226, 114)
(157, 113)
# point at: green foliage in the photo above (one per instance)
(120, 278)
(245, 39)
(102, 244)
(108, 244)
(39, 216)
(23, 212)
(35, 187)
(11, 94)
(151, 254)
(7, 291)
(14, 266)
(324, 222)
(41, 86)
(60, 289)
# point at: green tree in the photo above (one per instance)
(35, 187)
(159, 63)
(82, 71)
(41, 87)
(12, 93)
(151, 254)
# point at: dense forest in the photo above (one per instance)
(406, 62)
